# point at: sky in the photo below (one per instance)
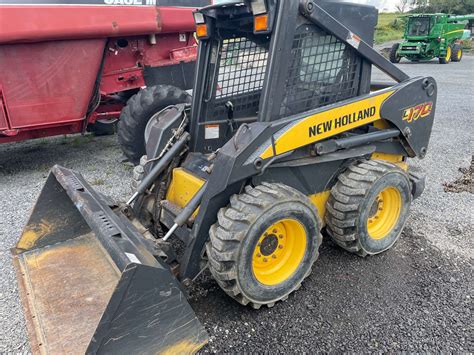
(382, 5)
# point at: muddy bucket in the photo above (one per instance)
(89, 283)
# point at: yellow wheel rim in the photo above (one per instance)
(279, 252)
(384, 213)
(459, 54)
(448, 53)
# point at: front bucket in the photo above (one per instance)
(89, 283)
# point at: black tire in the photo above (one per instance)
(138, 111)
(446, 59)
(234, 240)
(394, 57)
(352, 201)
(103, 128)
(457, 53)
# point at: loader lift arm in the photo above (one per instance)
(282, 117)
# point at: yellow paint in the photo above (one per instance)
(381, 124)
(183, 347)
(33, 232)
(183, 187)
(328, 123)
(455, 31)
(319, 200)
(384, 218)
(448, 54)
(286, 245)
(391, 158)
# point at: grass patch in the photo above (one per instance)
(390, 27)
(98, 182)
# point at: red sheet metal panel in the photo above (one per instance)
(50, 82)
(3, 112)
(37, 23)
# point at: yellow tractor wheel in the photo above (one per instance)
(368, 207)
(264, 244)
(456, 56)
(447, 57)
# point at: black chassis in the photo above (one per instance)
(310, 172)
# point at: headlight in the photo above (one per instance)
(199, 18)
(258, 7)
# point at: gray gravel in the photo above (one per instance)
(415, 297)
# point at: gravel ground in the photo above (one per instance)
(416, 297)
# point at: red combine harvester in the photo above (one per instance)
(71, 66)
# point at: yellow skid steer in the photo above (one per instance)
(286, 140)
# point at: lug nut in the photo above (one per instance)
(280, 236)
(265, 260)
(280, 247)
(274, 256)
(275, 231)
(259, 255)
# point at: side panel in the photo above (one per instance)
(133, 62)
(32, 23)
(50, 82)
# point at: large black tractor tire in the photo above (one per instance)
(138, 111)
(394, 57)
(368, 207)
(457, 54)
(447, 58)
(264, 244)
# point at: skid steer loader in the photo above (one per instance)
(286, 137)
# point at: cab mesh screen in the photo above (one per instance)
(241, 73)
(323, 71)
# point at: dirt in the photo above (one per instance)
(412, 298)
(463, 184)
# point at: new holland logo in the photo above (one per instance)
(419, 111)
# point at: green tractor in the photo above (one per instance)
(429, 36)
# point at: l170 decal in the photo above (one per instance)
(419, 111)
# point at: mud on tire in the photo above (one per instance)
(352, 201)
(235, 237)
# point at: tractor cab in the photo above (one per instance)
(420, 26)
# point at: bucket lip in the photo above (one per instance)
(128, 250)
(36, 340)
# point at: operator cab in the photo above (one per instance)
(236, 50)
(419, 26)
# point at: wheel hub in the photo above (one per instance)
(384, 213)
(269, 244)
(279, 252)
